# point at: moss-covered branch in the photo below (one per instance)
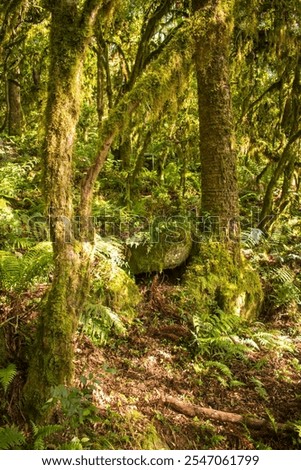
(162, 79)
(148, 29)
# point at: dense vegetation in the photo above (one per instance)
(150, 224)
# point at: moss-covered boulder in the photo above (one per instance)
(120, 293)
(214, 282)
(157, 255)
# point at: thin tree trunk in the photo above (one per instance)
(15, 115)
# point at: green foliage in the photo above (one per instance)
(259, 388)
(21, 223)
(130, 430)
(149, 98)
(75, 444)
(19, 271)
(110, 249)
(98, 322)
(75, 403)
(16, 177)
(112, 287)
(218, 335)
(7, 375)
(42, 433)
(11, 438)
(286, 291)
(219, 370)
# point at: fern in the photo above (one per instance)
(19, 271)
(98, 321)
(220, 334)
(283, 274)
(42, 433)
(110, 249)
(7, 375)
(251, 238)
(220, 366)
(285, 287)
(11, 438)
(75, 444)
(273, 340)
(259, 387)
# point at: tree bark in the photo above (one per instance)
(212, 33)
(52, 363)
(15, 115)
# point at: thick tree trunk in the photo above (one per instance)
(52, 363)
(212, 32)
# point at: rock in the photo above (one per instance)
(158, 256)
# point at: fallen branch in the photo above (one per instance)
(191, 410)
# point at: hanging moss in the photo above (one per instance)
(213, 282)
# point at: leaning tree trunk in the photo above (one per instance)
(212, 32)
(52, 362)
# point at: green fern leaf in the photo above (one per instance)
(11, 438)
(7, 375)
(42, 433)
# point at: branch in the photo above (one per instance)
(147, 32)
(274, 86)
(153, 88)
(293, 138)
(91, 9)
(191, 410)
(152, 55)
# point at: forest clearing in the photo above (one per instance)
(150, 231)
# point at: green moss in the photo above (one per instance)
(160, 254)
(119, 290)
(214, 282)
(133, 430)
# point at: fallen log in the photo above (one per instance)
(191, 410)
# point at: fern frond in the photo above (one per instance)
(220, 366)
(42, 433)
(75, 444)
(283, 274)
(7, 375)
(19, 271)
(110, 248)
(11, 438)
(98, 321)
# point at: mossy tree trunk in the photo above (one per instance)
(52, 362)
(221, 279)
(15, 114)
(212, 33)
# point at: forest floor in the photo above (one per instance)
(156, 360)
